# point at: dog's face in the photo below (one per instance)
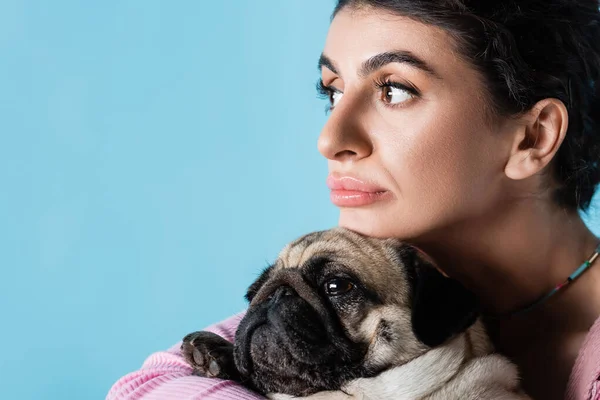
(337, 306)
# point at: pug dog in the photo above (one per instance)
(343, 316)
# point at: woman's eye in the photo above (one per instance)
(338, 286)
(335, 97)
(394, 95)
(329, 93)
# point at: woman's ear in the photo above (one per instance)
(538, 139)
(441, 306)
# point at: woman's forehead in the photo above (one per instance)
(356, 35)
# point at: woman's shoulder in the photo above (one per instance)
(166, 375)
(584, 382)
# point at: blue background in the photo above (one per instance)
(155, 156)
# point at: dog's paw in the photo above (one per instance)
(209, 355)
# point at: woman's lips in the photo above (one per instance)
(347, 191)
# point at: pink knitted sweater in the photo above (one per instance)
(165, 375)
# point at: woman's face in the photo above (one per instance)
(410, 149)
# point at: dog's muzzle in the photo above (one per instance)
(289, 334)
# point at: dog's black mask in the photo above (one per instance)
(290, 341)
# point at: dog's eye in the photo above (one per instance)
(337, 286)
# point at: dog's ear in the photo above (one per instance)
(441, 307)
(255, 287)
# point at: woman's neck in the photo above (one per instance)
(518, 253)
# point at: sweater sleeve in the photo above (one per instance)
(165, 375)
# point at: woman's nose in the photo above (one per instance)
(344, 136)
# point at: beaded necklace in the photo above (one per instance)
(582, 268)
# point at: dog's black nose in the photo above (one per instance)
(281, 292)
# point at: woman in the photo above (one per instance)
(472, 130)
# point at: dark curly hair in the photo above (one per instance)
(529, 50)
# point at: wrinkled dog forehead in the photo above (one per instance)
(380, 264)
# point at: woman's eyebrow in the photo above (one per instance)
(326, 62)
(382, 59)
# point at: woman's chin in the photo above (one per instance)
(374, 224)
